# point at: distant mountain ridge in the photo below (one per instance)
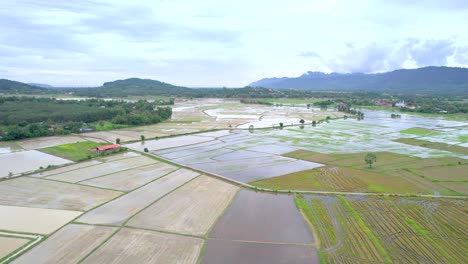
(427, 80)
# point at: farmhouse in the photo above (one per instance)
(107, 148)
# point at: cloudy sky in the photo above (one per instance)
(207, 43)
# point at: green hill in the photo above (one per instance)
(12, 87)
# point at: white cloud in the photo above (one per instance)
(222, 43)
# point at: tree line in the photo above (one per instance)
(25, 117)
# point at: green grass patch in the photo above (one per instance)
(463, 138)
(74, 151)
(420, 131)
(416, 227)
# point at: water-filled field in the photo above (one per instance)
(26, 161)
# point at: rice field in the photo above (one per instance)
(387, 230)
(129, 208)
(143, 246)
(69, 245)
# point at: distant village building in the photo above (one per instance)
(107, 148)
(400, 104)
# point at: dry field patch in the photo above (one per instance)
(68, 245)
(10, 244)
(39, 193)
(119, 210)
(191, 209)
(34, 220)
(142, 246)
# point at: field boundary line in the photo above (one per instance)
(33, 238)
(246, 185)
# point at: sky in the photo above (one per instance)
(215, 43)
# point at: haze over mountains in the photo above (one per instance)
(427, 80)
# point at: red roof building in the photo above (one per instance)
(110, 147)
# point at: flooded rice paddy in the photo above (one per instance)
(253, 216)
(27, 161)
(234, 252)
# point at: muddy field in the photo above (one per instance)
(256, 216)
(191, 209)
(68, 245)
(142, 246)
(102, 169)
(39, 193)
(45, 221)
(233, 252)
(27, 161)
(131, 179)
(119, 210)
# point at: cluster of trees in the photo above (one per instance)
(25, 117)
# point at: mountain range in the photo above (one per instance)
(427, 80)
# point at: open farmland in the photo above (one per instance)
(142, 246)
(131, 207)
(191, 209)
(403, 231)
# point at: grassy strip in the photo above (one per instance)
(74, 151)
(415, 226)
(420, 131)
(302, 205)
(433, 145)
(375, 241)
